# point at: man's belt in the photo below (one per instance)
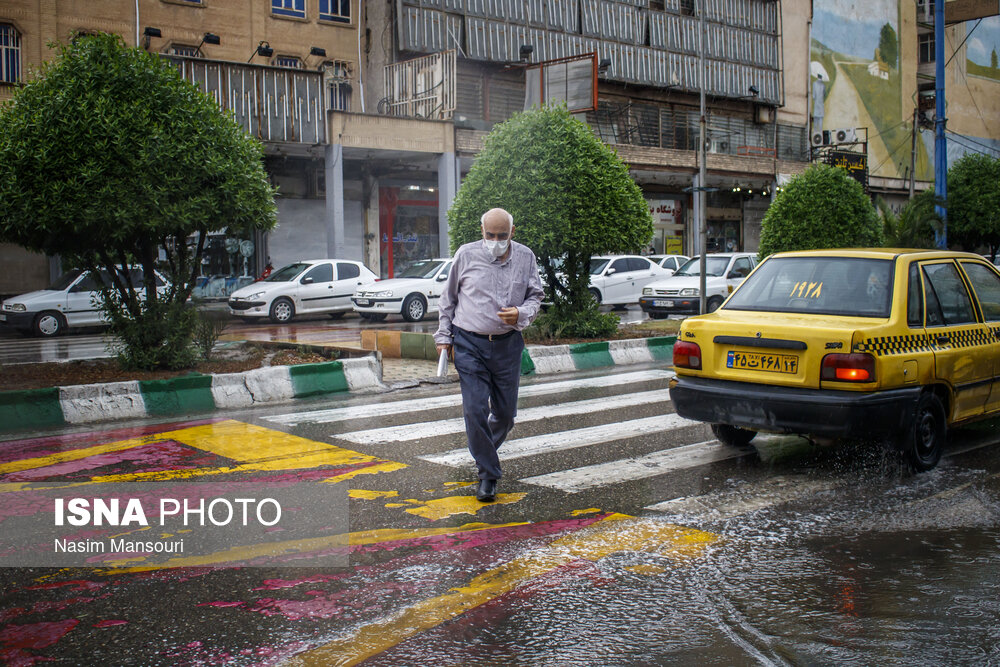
(492, 337)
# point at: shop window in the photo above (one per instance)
(335, 10)
(10, 54)
(294, 8)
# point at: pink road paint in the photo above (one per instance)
(324, 605)
(221, 604)
(17, 640)
(110, 623)
(78, 584)
(278, 584)
(15, 450)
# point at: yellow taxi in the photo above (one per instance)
(889, 344)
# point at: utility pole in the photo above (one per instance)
(702, 138)
(913, 150)
(940, 142)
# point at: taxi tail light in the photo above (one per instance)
(848, 368)
(687, 355)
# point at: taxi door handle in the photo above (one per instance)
(943, 340)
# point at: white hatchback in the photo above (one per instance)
(309, 287)
(620, 279)
(413, 294)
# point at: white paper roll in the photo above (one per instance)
(443, 363)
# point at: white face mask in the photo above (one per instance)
(496, 248)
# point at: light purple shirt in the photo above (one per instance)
(479, 286)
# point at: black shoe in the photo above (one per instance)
(487, 490)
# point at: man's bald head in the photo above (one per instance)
(497, 224)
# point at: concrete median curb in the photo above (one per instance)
(188, 394)
(542, 359)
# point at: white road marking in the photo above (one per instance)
(749, 498)
(434, 429)
(575, 480)
(562, 440)
(431, 403)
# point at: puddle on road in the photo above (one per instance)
(875, 569)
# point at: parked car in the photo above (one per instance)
(413, 294)
(896, 345)
(71, 302)
(308, 287)
(681, 292)
(620, 279)
(669, 262)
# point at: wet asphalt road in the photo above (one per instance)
(622, 536)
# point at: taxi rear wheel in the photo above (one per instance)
(923, 442)
(734, 436)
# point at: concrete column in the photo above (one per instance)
(335, 201)
(372, 239)
(447, 188)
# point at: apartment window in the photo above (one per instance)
(184, 50)
(335, 10)
(10, 54)
(338, 74)
(296, 8)
(288, 61)
(925, 47)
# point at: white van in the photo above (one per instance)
(69, 303)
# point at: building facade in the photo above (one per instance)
(372, 112)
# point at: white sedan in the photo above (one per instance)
(413, 293)
(312, 286)
(620, 279)
(669, 262)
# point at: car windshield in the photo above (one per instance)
(287, 273)
(425, 268)
(65, 280)
(714, 266)
(597, 265)
(852, 286)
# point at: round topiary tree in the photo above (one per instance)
(821, 208)
(974, 203)
(109, 158)
(571, 197)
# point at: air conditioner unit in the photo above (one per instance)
(846, 135)
(718, 146)
(820, 138)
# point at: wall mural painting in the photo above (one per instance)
(854, 65)
(982, 48)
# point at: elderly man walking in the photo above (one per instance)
(492, 293)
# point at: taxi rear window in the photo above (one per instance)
(849, 286)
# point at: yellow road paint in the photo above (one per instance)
(614, 533)
(396, 505)
(387, 466)
(459, 484)
(441, 508)
(76, 454)
(253, 448)
(589, 510)
(244, 553)
(371, 495)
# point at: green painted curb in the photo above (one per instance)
(527, 365)
(662, 348)
(30, 408)
(591, 355)
(187, 394)
(413, 345)
(317, 379)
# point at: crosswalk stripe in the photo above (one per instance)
(582, 437)
(752, 497)
(575, 480)
(452, 400)
(449, 426)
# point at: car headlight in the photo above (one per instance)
(16, 307)
(255, 295)
(689, 291)
(384, 293)
(647, 291)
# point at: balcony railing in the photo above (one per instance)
(274, 104)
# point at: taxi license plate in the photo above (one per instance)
(363, 302)
(762, 361)
(662, 303)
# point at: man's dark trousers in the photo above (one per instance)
(490, 373)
